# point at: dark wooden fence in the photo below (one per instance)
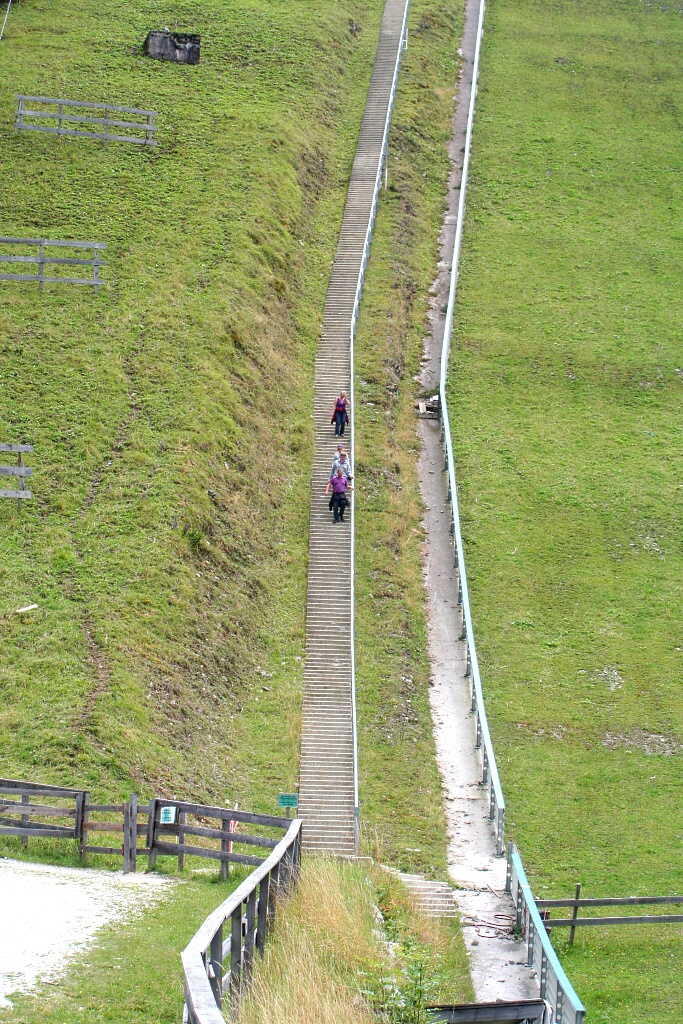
(249, 911)
(545, 906)
(41, 258)
(65, 113)
(116, 829)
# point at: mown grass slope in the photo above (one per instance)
(166, 543)
(566, 403)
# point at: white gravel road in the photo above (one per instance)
(49, 914)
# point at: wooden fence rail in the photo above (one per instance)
(545, 906)
(27, 118)
(249, 911)
(116, 829)
(43, 258)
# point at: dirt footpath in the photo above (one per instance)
(497, 962)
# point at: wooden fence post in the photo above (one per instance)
(151, 833)
(235, 955)
(216, 961)
(126, 837)
(262, 928)
(20, 462)
(25, 820)
(575, 913)
(85, 814)
(225, 848)
(41, 265)
(249, 936)
(182, 818)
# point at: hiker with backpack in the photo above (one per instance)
(339, 485)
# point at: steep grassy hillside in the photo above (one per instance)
(566, 403)
(166, 542)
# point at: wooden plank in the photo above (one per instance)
(87, 135)
(205, 811)
(116, 851)
(613, 901)
(82, 119)
(49, 280)
(215, 833)
(50, 831)
(581, 922)
(85, 103)
(46, 811)
(17, 785)
(42, 260)
(103, 826)
(16, 448)
(16, 471)
(200, 851)
(15, 494)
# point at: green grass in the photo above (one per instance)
(328, 960)
(402, 804)
(131, 973)
(166, 544)
(565, 397)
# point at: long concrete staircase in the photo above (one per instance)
(327, 783)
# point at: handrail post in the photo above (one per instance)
(216, 962)
(262, 922)
(235, 955)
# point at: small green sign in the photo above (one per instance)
(167, 816)
(288, 800)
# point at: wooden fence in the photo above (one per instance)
(573, 922)
(115, 829)
(20, 470)
(41, 258)
(65, 114)
(250, 912)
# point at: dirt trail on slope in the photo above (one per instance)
(497, 962)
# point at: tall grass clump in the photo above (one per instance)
(350, 947)
(323, 938)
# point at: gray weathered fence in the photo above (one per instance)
(42, 258)
(165, 824)
(250, 911)
(27, 119)
(20, 470)
(24, 811)
(545, 906)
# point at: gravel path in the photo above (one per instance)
(50, 914)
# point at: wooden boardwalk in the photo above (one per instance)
(327, 783)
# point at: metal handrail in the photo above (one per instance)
(205, 979)
(554, 983)
(382, 166)
(490, 769)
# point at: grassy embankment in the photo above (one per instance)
(566, 399)
(166, 543)
(400, 786)
(328, 960)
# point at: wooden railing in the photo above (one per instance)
(31, 810)
(65, 114)
(41, 258)
(250, 912)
